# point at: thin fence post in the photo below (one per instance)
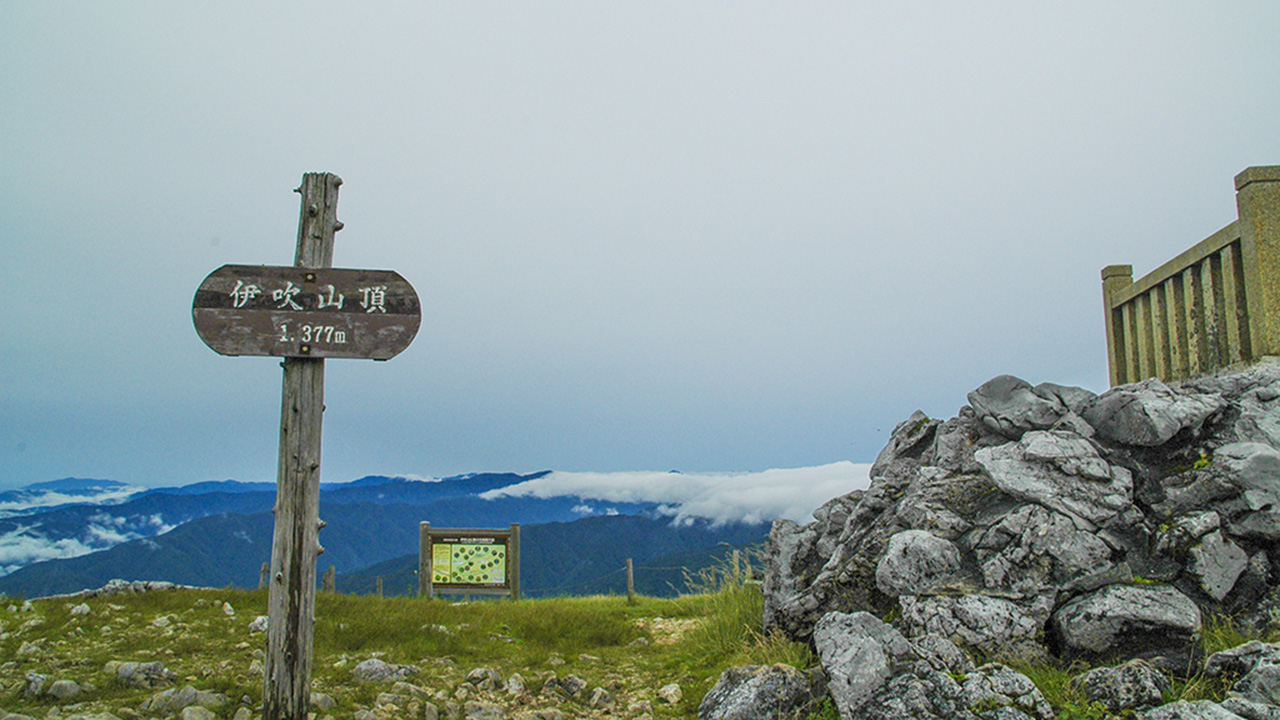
(631, 583)
(330, 580)
(263, 575)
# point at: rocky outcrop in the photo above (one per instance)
(1047, 521)
(1014, 524)
(873, 671)
(757, 692)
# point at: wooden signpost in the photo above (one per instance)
(304, 314)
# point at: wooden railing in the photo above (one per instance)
(1213, 306)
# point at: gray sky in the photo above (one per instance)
(712, 236)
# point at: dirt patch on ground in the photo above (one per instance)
(667, 631)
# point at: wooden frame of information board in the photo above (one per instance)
(468, 561)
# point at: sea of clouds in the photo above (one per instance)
(792, 493)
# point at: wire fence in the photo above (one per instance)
(742, 566)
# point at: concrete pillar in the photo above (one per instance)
(1258, 203)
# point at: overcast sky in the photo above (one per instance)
(705, 236)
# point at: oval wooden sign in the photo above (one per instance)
(306, 312)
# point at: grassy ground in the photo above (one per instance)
(630, 650)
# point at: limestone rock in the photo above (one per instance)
(994, 625)
(1262, 683)
(1049, 520)
(1011, 407)
(859, 654)
(377, 670)
(144, 675)
(757, 692)
(484, 711)
(1239, 660)
(993, 692)
(1184, 710)
(671, 693)
(63, 690)
(1061, 471)
(1216, 563)
(1033, 548)
(1149, 413)
(1138, 620)
(172, 701)
(1249, 709)
(910, 439)
(1135, 685)
(916, 561)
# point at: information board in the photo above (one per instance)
(469, 561)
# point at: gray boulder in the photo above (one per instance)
(998, 627)
(992, 692)
(174, 700)
(1135, 685)
(1061, 471)
(859, 654)
(1148, 621)
(1184, 710)
(911, 439)
(144, 675)
(1262, 683)
(1239, 660)
(1216, 563)
(64, 690)
(1250, 710)
(1149, 413)
(915, 562)
(1011, 407)
(1032, 548)
(757, 692)
(375, 670)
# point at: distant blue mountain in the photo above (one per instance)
(228, 548)
(67, 485)
(367, 541)
(71, 531)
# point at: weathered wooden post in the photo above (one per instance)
(379, 586)
(631, 583)
(291, 606)
(304, 314)
(263, 575)
(331, 580)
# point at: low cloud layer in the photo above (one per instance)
(792, 493)
(31, 543)
(23, 501)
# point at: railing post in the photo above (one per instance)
(1115, 277)
(1258, 203)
